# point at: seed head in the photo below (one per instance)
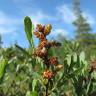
(54, 61)
(48, 74)
(39, 35)
(40, 53)
(47, 29)
(39, 27)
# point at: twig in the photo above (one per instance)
(47, 86)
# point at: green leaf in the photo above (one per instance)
(33, 93)
(52, 94)
(78, 71)
(89, 87)
(32, 40)
(3, 64)
(82, 56)
(28, 29)
(34, 83)
(22, 50)
(68, 60)
(28, 93)
(75, 57)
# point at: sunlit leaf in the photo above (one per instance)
(3, 64)
(29, 27)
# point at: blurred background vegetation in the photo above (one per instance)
(20, 72)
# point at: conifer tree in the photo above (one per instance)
(83, 28)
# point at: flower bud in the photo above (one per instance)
(47, 29)
(39, 27)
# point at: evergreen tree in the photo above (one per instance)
(83, 28)
(84, 34)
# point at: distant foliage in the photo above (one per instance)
(47, 70)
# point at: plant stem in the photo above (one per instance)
(47, 86)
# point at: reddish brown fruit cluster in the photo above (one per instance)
(42, 50)
(54, 60)
(48, 74)
(47, 29)
(93, 65)
(40, 36)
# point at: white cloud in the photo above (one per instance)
(5, 19)
(40, 17)
(8, 24)
(64, 12)
(5, 30)
(28, 7)
(67, 15)
(90, 18)
(37, 17)
(59, 31)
